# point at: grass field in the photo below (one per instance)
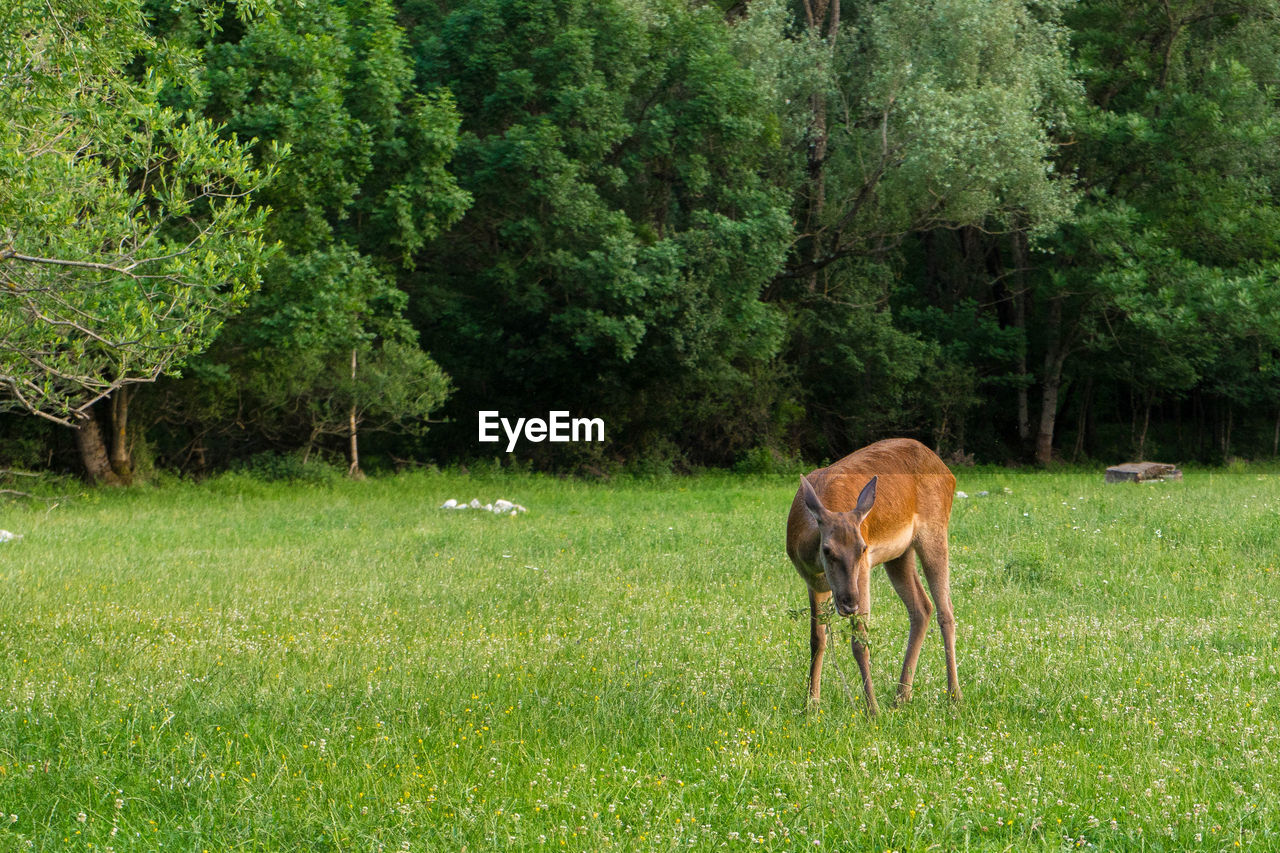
(234, 665)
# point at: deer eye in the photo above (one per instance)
(829, 552)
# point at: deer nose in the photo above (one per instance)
(845, 609)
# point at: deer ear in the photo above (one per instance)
(811, 500)
(866, 498)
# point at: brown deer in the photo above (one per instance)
(886, 503)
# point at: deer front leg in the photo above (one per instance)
(817, 644)
(861, 642)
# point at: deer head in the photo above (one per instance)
(843, 551)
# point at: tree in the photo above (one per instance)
(623, 228)
(945, 120)
(127, 234)
(927, 123)
(1176, 152)
(322, 352)
(361, 185)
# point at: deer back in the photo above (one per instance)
(914, 491)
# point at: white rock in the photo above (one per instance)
(501, 506)
(960, 494)
(9, 536)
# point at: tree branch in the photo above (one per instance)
(10, 254)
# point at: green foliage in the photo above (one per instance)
(293, 349)
(856, 367)
(1174, 250)
(923, 118)
(740, 233)
(127, 234)
(362, 155)
(292, 468)
(621, 233)
(361, 186)
(767, 460)
(954, 103)
(974, 355)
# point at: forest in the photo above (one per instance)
(744, 234)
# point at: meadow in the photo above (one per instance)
(233, 665)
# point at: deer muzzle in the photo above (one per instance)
(845, 608)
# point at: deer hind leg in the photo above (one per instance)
(817, 643)
(937, 571)
(902, 574)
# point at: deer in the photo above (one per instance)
(888, 503)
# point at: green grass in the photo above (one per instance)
(239, 666)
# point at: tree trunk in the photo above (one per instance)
(311, 443)
(1146, 423)
(1226, 434)
(121, 458)
(1051, 382)
(817, 180)
(1020, 262)
(1091, 422)
(1198, 411)
(354, 470)
(932, 269)
(822, 18)
(196, 456)
(93, 452)
(1133, 417)
(1082, 420)
(1048, 415)
(1275, 439)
